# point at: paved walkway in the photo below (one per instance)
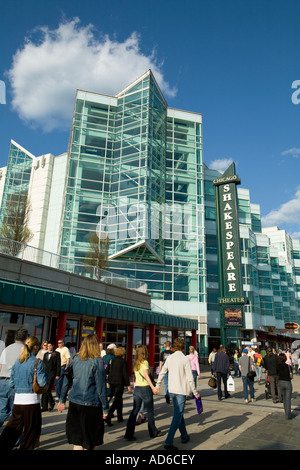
(224, 425)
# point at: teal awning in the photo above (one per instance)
(25, 295)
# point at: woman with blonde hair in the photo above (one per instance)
(26, 418)
(43, 350)
(143, 393)
(88, 405)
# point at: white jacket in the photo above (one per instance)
(180, 377)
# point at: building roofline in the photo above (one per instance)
(150, 73)
(120, 93)
(22, 149)
(185, 111)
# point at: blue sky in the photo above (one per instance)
(233, 61)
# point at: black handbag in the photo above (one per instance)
(251, 374)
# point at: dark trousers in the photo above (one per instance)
(47, 398)
(26, 418)
(221, 376)
(274, 388)
(117, 404)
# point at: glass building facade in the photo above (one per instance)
(18, 175)
(136, 177)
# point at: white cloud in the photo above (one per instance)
(46, 72)
(287, 213)
(295, 152)
(220, 164)
(295, 235)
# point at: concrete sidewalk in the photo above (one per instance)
(224, 425)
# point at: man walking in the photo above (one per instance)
(245, 365)
(221, 368)
(211, 359)
(7, 360)
(270, 362)
(181, 383)
(65, 357)
(51, 363)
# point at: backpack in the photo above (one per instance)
(258, 361)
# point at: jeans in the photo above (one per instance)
(258, 372)
(141, 395)
(237, 371)
(195, 375)
(178, 419)
(59, 382)
(6, 400)
(285, 387)
(248, 383)
(166, 384)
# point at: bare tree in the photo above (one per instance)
(97, 256)
(15, 221)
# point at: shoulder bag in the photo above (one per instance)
(36, 387)
(251, 373)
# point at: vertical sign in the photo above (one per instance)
(230, 276)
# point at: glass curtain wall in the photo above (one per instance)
(17, 177)
(116, 172)
(174, 202)
(184, 224)
(90, 171)
(138, 172)
(136, 176)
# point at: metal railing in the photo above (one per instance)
(64, 263)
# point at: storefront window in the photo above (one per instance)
(11, 318)
(71, 335)
(115, 333)
(34, 324)
(137, 336)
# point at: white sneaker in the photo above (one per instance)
(253, 399)
(246, 401)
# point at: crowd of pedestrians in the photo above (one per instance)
(93, 380)
(250, 363)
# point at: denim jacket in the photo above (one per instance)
(89, 383)
(21, 379)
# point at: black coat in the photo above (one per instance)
(117, 372)
(52, 365)
(270, 364)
